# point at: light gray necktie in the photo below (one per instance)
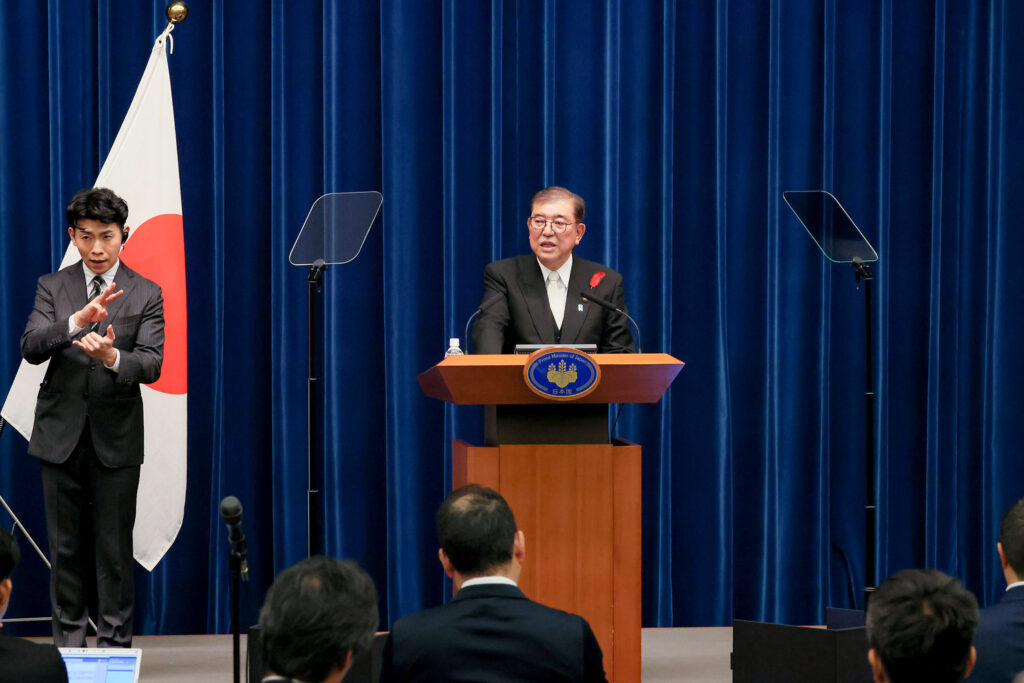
(556, 297)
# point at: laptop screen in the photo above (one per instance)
(102, 665)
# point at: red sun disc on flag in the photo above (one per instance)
(156, 250)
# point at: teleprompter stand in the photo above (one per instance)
(841, 241)
(777, 653)
(333, 234)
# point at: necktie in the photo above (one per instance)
(556, 297)
(97, 287)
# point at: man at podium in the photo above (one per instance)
(535, 299)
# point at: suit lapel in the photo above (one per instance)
(572, 321)
(531, 285)
(125, 280)
(73, 282)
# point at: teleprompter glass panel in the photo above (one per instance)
(336, 228)
(831, 228)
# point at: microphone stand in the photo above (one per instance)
(235, 566)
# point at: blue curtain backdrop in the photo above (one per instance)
(681, 123)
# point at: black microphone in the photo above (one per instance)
(231, 513)
(480, 309)
(589, 295)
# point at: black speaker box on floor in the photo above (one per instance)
(776, 653)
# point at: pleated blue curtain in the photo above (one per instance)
(681, 123)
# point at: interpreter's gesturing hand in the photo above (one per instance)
(96, 310)
(99, 347)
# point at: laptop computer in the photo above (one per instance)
(102, 664)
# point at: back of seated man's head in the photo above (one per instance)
(1011, 538)
(920, 625)
(317, 616)
(476, 529)
(9, 556)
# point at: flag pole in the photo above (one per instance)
(42, 555)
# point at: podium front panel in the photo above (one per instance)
(579, 508)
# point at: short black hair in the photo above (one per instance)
(1011, 536)
(98, 204)
(315, 613)
(10, 554)
(476, 529)
(921, 624)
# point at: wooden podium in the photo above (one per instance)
(576, 496)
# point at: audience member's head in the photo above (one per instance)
(920, 626)
(9, 556)
(478, 535)
(1011, 542)
(317, 616)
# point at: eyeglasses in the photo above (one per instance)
(540, 222)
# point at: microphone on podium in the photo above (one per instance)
(589, 295)
(480, 309)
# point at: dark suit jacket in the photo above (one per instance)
(999, 640)
(22, 661)
(492, 633)
(516, 310)
(77, 386)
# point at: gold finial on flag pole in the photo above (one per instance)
(176, 12)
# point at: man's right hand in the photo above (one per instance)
(96, 310)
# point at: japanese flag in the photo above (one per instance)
(142, 167)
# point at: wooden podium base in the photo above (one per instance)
(579, 507)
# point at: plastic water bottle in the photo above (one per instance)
(453, 348)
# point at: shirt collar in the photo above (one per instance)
(485, 580)
(563, 272)
(1017, 584)
(108, 276)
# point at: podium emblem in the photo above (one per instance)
(561, 374)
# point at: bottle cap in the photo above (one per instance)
(454, 341)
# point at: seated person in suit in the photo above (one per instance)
(920, 624)
(490, 631)
(317, 616)
(1000, 636)
(535, 299)
(23, 660)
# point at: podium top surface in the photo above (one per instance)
(483, 379)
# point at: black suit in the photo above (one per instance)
(88, 432)
(999, 640)
(491, 633)
(23, 660)
(516, 309)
